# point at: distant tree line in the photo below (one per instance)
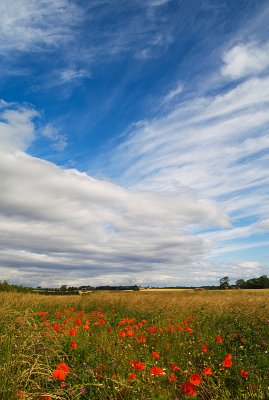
(255, 283)
(7, 287)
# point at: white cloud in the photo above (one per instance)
(245, 59)
(54, 219)
(73, 74)
(173, 93)
(59, 140)
(31, 25)
(264, 224)
(214, 147)
(16, 126)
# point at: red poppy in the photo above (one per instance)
(228, 361)
(157, 371)
(207, 371)
(72, 331)
(63, 367)
(195, 379)
(188, 389)
(132, 376)
(172, 377)
(188, 330)
(45, 397)
(204, 348)
(219, 339)
(244, 373)
(175, 367)
(59, 374)
(138, 365)
(141, 339)
(74, 345)
(86, 328)
(155, 354)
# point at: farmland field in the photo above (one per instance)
(135, 345)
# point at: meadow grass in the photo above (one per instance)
(135, 345)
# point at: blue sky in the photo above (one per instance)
(134, 141)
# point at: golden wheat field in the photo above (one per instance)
(150, 344)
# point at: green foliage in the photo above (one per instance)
(6, 287)
(255, 283)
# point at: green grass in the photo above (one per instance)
(181, 326)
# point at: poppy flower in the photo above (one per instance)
(188, 389)
(244, 373)
(132, 376)
(155, 354)
(138, 365)
(219, 339)
(207, 371)
(45, 397)
(63, 367)
(74, 345)
(72, 331)
(59, 374)
(188, 330)
(175, 367)
(195, 379)
(157, 371)
(172, 377)
(228, 361)
(204, 349)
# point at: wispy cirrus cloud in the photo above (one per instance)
(215, 146)
(32, 26)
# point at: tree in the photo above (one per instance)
(224, 283)
(240, 283)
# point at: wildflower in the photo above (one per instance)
(130, 333)
(244, 373)
(195, 379)
(204, 348)
(63, 367)
(155, 354)
(219, 339)
(228, 361)
(86, 328)
(188, 330)
(72, 331)
(207, 371)
(175, 367)
(131, 377)
(45, 397)
(141, 339)
(172, 377)
(74, 345)
(59, 374)
(138, 365)
(188, 389)
(157, 371)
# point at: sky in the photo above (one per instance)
(134, 138)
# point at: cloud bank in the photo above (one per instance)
(55, 220)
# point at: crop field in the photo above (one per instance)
(161, 345)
